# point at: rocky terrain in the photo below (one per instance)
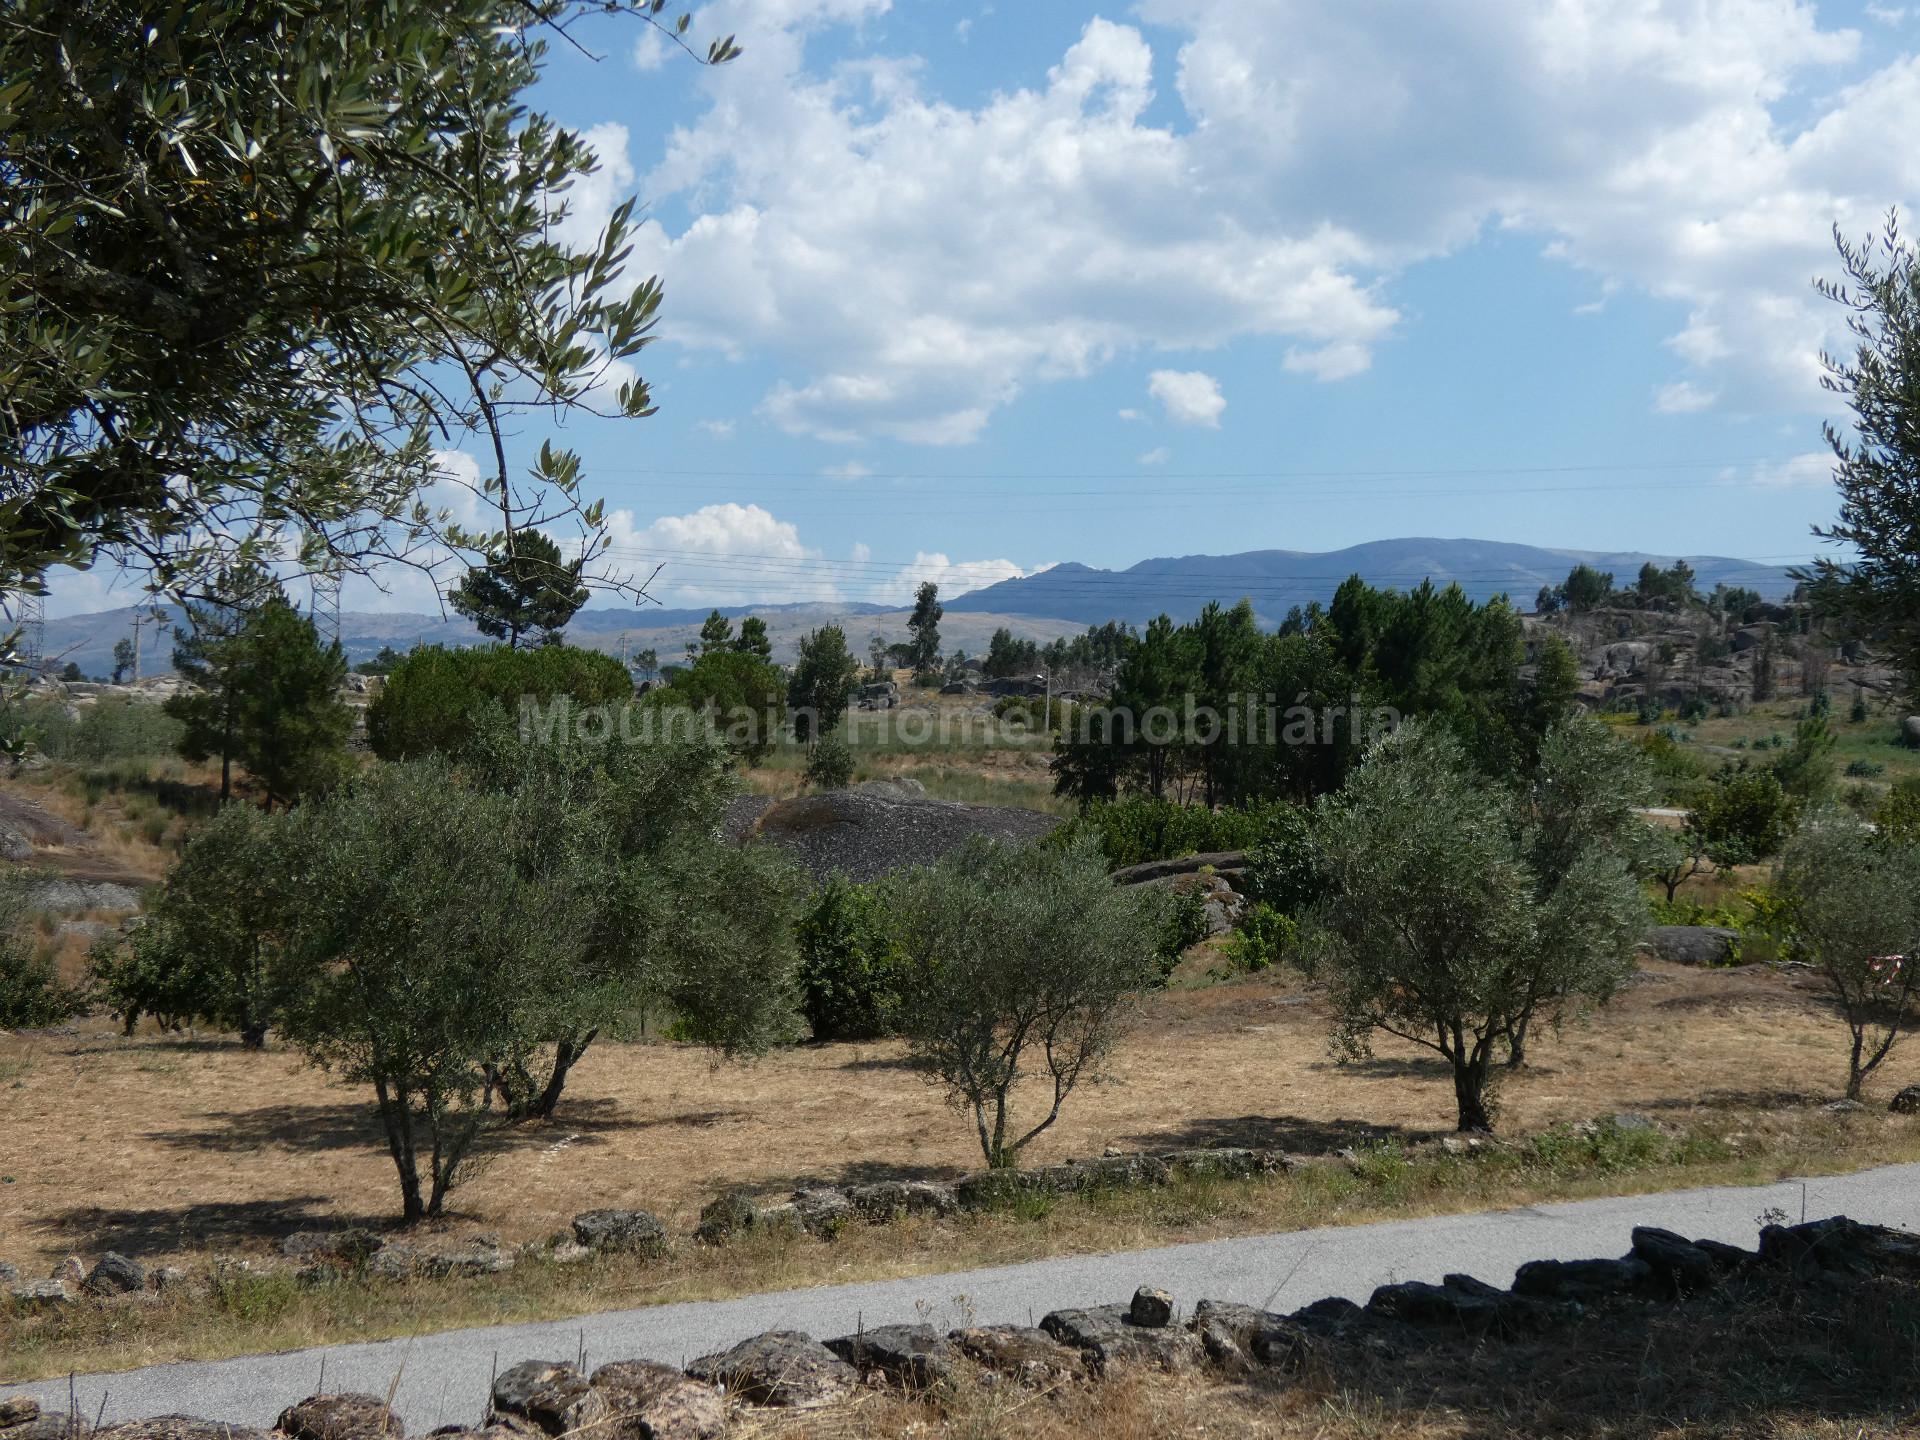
(871, 829)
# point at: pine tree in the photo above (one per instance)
(523, 589)
(753, 638)
(716, 633)
(822, 683)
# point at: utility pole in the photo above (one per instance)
(150, 617)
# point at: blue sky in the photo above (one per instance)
(958, 290)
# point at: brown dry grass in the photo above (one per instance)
(159, 1145)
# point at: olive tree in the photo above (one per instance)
(647, 906)
(1451, 926)
(260, 258)
(1016, 962)
(1855, 902)
(1581, 837)
(417, 953)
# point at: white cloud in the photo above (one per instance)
(1159, 455)
(862, 552)
(719, 429)
(1189, 397)
(1131, 414)
(954, 577)
(724, 554)
(849, 470)
(910, 265)
(1682, 397)
(650, 50)
(585, 206)
(1888, 14)
(1802, 472)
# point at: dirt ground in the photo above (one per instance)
(158, 1145)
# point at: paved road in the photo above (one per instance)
(442, 1378)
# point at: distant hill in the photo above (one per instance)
(1056, 602)
(1277, 580)
(88, 640)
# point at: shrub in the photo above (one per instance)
(1264, 937)
(31, 995)
(741, 695)
(830, 767)
(1898, 816)
(114, 727)
(849, 964)
(1743, 815)
(437, 699)
(210, 948)
(1183, 924)
(1865, 769)
(1139, 828)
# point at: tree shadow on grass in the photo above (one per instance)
(162, 1229)
(1293, 1134)
(1735, 1100)
(335, 1126)
(1390, 1067)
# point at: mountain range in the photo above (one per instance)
(1277, 580)
(1055, 602)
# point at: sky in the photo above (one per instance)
(957, 290)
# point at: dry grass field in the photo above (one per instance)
(159, 1145)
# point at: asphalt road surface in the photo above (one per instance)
(442, 1378)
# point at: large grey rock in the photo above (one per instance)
(782, 1368)
(1680, 1262)
(886, 1200)
(1151, 1308)
(822, 1211)
(1108, 1336)
(1219, 861)
(403, 1260)
(657, 1402)
(1692, 944)
(872, 829)
(41, 1294)
(1842, 1246)
(1910, 731)
(68, 895)
(340, 1417)
(1020, 1352)
(14, 845)
(633, 1232)
(115, 1274)
(551, 1395)
(1582, 1280)
(9, 1273)
(737, 1213)
(916, 1356)
(1224, 1163)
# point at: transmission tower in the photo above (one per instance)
(326, 604)
(33, 633)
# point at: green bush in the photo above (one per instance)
(1865, 769)
(1263, 938)
(1898, 817)
(1183, 924)
(1138, 828)
(849, 964)
(437, 698)
(830, 767)
(1744, 815)
(744, 696)
(114, 727)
